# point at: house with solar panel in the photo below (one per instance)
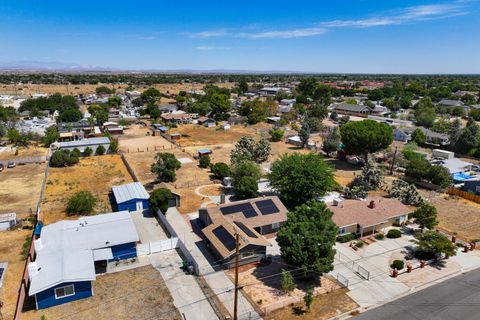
(131, 197)
(251, 219)
(69, 255)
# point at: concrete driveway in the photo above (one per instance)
(376, 259)
(187, 295)
(148, 227)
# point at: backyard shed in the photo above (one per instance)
(7, 221)
(131, 197)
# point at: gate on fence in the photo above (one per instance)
(157, 246)
(342, 280)
(354, 266)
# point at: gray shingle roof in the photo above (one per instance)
(129, 191)
(84, 142)
(350, 107)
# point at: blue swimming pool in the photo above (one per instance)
(460, 176)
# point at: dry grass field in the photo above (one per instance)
(20, 188)
(30, 151)
(138, 138)
(96, 174)
(29, 89)
(455, 214)
(11, 243)
(325, 306)
(138, 293)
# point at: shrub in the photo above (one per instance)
(397, 264)
(26, 247)
(63, 158)
(276, 134)
(159, 199)
(87, 152)
(100, 150)
(82, 203)
(204, 161)
(346, 237)
(76, 152)
(359, 244)
(379, 236)
(246, 187)
(220, 170)
(394, 234)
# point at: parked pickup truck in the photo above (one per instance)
(11, 164)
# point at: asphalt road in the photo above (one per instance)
(455, 299)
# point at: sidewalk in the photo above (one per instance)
(187, 295)
(216, 279)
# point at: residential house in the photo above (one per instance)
(70, 253)
(351, 109)
(177, 117)
(206, 121)
(81, 145)
(432, 137)
(131, 197)
(168, 108)
(251, 219)
(364, 217)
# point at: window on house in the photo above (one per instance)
(341, 230)
(276, 225)
(247, 254)
(66, 291)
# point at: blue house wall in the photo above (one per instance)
(472, 186)
(46, 298)
(124, 251)
(131, 205)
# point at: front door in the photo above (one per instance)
(139, 205)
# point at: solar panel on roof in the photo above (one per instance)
(225, 238)
(245, 229)
(266, 206)
(246, 208)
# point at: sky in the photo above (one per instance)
(341, 36)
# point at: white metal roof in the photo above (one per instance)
(102, 254)
(66, 249)
(93, 232)
(4, 217)
(57, 267)
(84, 142)
(129, 191)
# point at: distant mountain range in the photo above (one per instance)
(51, 66)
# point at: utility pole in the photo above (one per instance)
(393, 161)
(235, 301)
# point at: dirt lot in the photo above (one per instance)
(138, 138)
(29, 89)
(456, 214)
(323, 307)
(31, 151)
(344, 172)
(139, 293)
(96, 174)
(20, 188)
(11, 243)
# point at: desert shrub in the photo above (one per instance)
(360, 244)
(87, 152)
(379, 236)
(82, 203)
(394, 234)
(397, 264)
(346, 237)
(100, 150)
(63, 158)
(204, 161)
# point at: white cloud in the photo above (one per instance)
(402, 16)
(211, 48)
(253, 34)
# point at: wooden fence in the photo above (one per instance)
(464, 194)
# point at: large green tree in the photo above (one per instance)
(151, 95)
(364, 137)
(434, 243)
(245, 176)
(301, 177)
(220, 106)
(165, 166)
(159, 199)
(306, 240)
(425, 216)
(247, 148)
